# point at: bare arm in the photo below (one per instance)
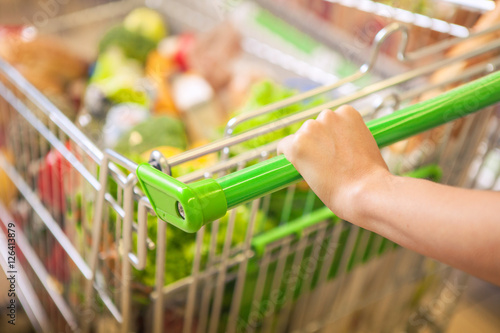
(338, 157)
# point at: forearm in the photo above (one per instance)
(339, 158)
(457, 226)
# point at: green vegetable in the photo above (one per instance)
(146, 22)
(154, 132)
(263, 93)
(132, 44)
(181, 246)
(118, 76)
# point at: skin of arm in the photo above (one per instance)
(339, 159)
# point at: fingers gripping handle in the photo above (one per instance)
(189, 207)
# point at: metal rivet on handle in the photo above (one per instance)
(180, 209)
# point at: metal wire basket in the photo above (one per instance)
(84, 267)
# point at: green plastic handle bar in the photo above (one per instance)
(432, 172)
(189, 207)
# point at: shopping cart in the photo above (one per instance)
(82, 268)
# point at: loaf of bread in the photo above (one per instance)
(47, 64)
(487, 20)
(43, 60)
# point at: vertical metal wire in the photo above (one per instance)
(208, 282)
(318, 305)
(128, 202)
(161, 247)
(291, 283)
(191, 298)
(310, 270)
(242, 270)
(220, 283)
(288, 204)
(452, 145)
(253, 321)
(341, 276)
(489, 143)
(275, 290)
(357, 276)
(96, 237)
(473, 141)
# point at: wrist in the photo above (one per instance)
(367, 198)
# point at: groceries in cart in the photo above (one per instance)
(142, 74)
(149, 91)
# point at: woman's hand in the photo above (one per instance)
(338, 157)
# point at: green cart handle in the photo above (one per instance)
(189, 207)
(297, 226)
